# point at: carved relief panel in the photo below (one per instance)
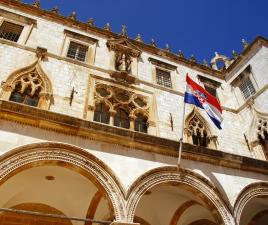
(124, 59)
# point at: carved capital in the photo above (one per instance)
(112, 112)
(91, 107)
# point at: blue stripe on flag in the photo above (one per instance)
(216, 122)
(191, 99)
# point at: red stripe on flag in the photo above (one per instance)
(210, 98)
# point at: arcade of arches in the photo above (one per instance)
(58, 188)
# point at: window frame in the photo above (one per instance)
(15, 24)
(167, 72)
(77, 53)
(81, 39)
(27, 23)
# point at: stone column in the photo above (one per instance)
(90, 113)
(112, 115)
(44, 101)
(6, 92)
(132, 121)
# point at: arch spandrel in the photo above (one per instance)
(171, 175)
(73, 158)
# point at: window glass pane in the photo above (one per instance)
(163, 78)
(121, 119)
(101, 114)
(16, 97)
(77, 51)
(247, 88)
(10, 31)
(211, 90)
(32, 101)
(140, 124)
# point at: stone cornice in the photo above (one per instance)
(145, 47)
(96, 131)
(108, 34)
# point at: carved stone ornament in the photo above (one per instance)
(123, 45)
(124, 52)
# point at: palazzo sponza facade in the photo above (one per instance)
(90, 122)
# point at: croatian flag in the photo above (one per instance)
(196, 95)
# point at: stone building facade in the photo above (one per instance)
(90, 122)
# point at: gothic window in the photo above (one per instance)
(10, 31)
(77, 51)
(263, 135)
(101, 113)
(247, 88)
(140, 123)
(27, 90)
(121, 119)
(198, 132)
(163, 78)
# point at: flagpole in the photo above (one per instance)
(182, 131)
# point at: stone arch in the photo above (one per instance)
(258, 189)
(196, 123)
(171, 174)
(77, 159)
(46, 94)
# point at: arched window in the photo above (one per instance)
(30, 86)
(27, 90)
(198, 132)
(264, 142)
(140, 124)
(121, 119)
(102, 114)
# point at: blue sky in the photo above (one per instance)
(198, 27)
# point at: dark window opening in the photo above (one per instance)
(10, 31)
(26, 97)
(121, 119)
(140, 124)
(102, 114)
(163, 78)
(77, 51)
(211, 90)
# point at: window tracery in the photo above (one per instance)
(120, 107)
(263, 135)
(29, 86)
(197, 131)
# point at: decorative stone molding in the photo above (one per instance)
(257, 133)
(115, 97)
(68, 156)
(259, 189)
(171, 175)
(32, 76)
(220, 58)
(41, 53)
(196, 123)
(123, 58)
